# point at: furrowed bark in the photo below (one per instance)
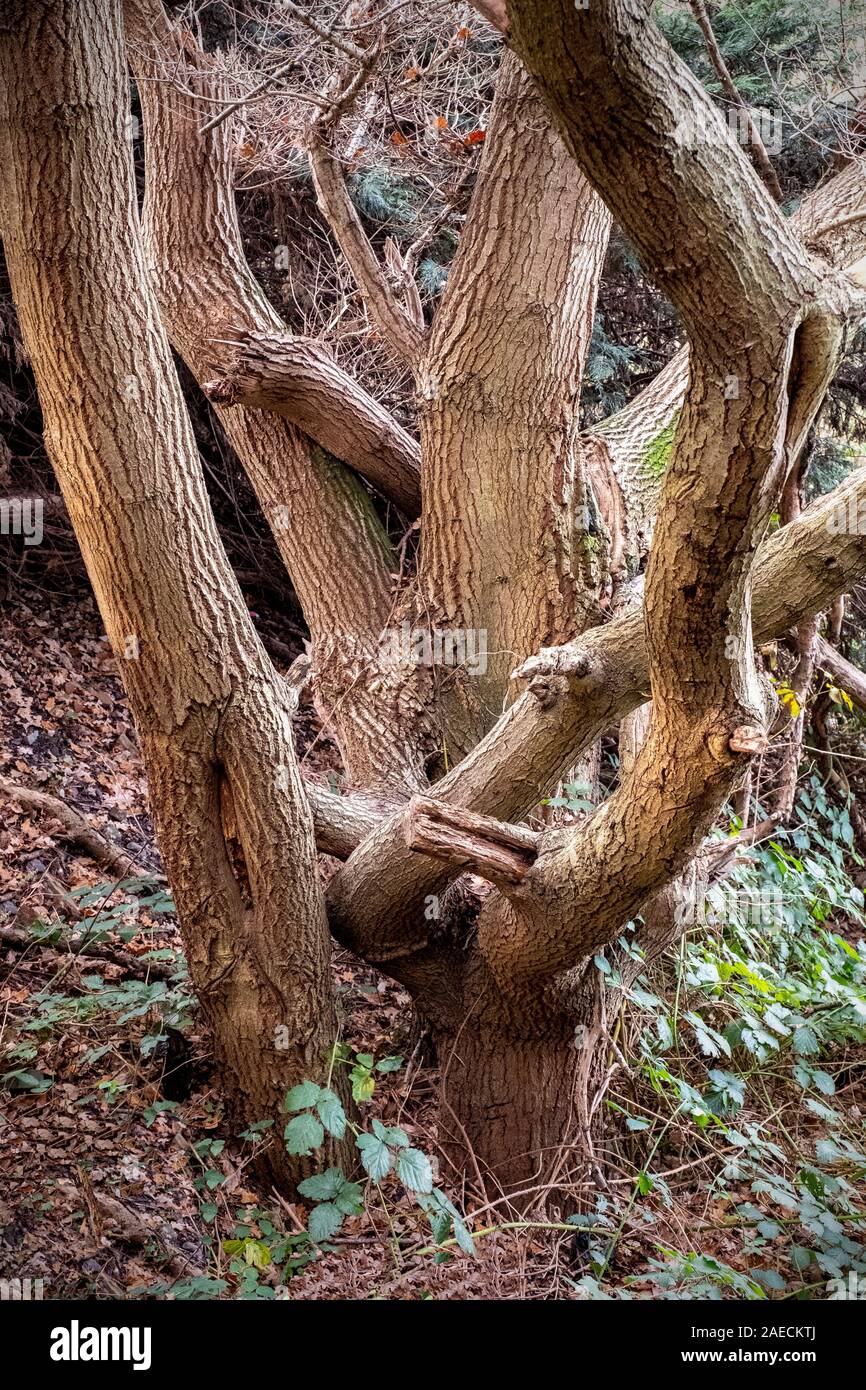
(758, 315)
(214, 721)
(628, 454)
(323, 520)
(511, 542)
(462, 838)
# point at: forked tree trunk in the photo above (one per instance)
(323, 519)
(213, 719)
(507, 981)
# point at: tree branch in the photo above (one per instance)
(844, 672)
(757, 151)
(376, 899)
(298, 378)
(506, 521)
(75, 828)
(324, 523)
(403, 332)
(342, 823)
(499, 852)
(627, 455)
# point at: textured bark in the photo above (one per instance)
(297, 377)
(489, 847)
(511, 1103)
(511, 542)
(756, 312)
(323, 520)
(214, 721)
(628, 454)
(376, 900)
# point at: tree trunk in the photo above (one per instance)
(213, 719)
(511, 539)
(322, 517)
(627, 455)
(509, 1113)
(522, 1079)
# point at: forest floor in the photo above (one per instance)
(118, 1175)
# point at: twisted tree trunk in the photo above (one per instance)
(322, 517)
(213, 718)
(491, 926)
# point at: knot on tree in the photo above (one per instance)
(550, 670)
(749, 739)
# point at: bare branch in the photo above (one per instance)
(341, 823)
(75, 828)
(844, 673)
(465, 840)
(298, 378)
(760, 158)
(399, 328)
